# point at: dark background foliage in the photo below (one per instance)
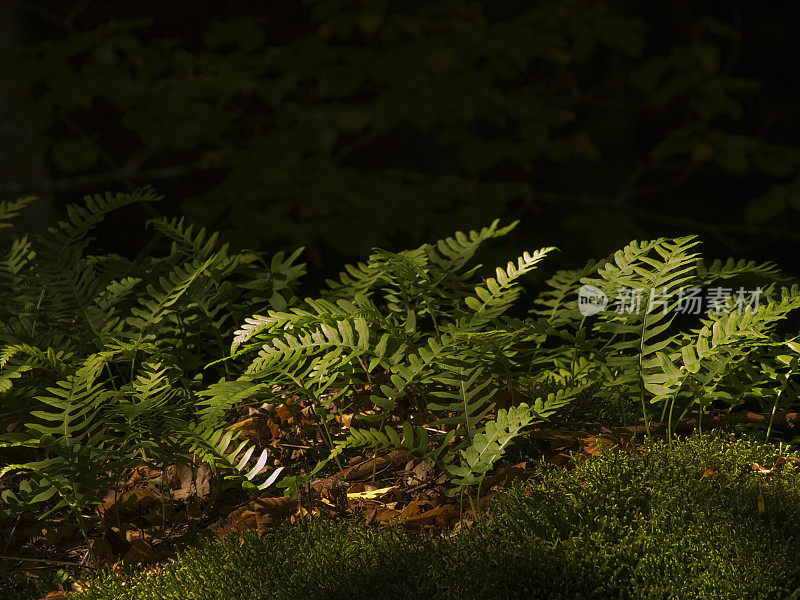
(346, 124)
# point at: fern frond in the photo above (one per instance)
(171, 289)
(82, 219)
(498, 293)
(214, 447)
(10, 209)
(488, 446)
(17, 258)
(184, 239)
(708, 273)
(341, 343)
(218, 398)
(468, 400)
(553, 304)
(452, 253)
(414, 439)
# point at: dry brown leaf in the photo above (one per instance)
(382, 515)
(248, 520)
(272, 511)
(423, 472)
(130, 504)
(558, 438)
(284, 413)
(254, 428)
(441, 516)
(202, 479)
(56, 595)
(367, 467)
(140, 552)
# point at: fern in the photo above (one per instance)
(724, 341)
(218, 398)
(10, 209)
(214, 447)
(111, 363)
(95, 351)
(498, 293)
(489, 445)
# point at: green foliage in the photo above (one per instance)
(108, 364)
(489, 445)
(286, 118)
(407, 325)
(100, 358)
(645, 525)
(622, 350)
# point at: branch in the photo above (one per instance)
(89, 181)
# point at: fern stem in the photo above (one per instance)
(775, 404)
(575, 353)
(641, 374)
(466, 406)
(111, 377)
(36, 315)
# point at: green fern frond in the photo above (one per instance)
(184, 239)
(488, 446)
(559, 301)
(82, 219)
(731, 268)
(171, 289)
(498, 293)
(414, 439)
(450, 254)
(10, 209)
(218, 398)
(468, 400)
(341, 342)
(214, 446)
(17, 258)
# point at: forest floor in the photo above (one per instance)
(153, 515)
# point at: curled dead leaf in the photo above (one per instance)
(370, 494)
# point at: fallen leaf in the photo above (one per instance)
(202, 479)
(422, 472)
(382, 515)
(373, 465)
(274, 510)
(370, 494)
(284, 413)
(436, 516)
(130, 504)
(140, 552)
(558, 438)
(54, 595)
(253, 427)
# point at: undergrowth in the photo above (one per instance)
(699, 520)
(107, 363)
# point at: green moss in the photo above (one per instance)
(647, 525)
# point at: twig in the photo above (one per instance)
(65, 563)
